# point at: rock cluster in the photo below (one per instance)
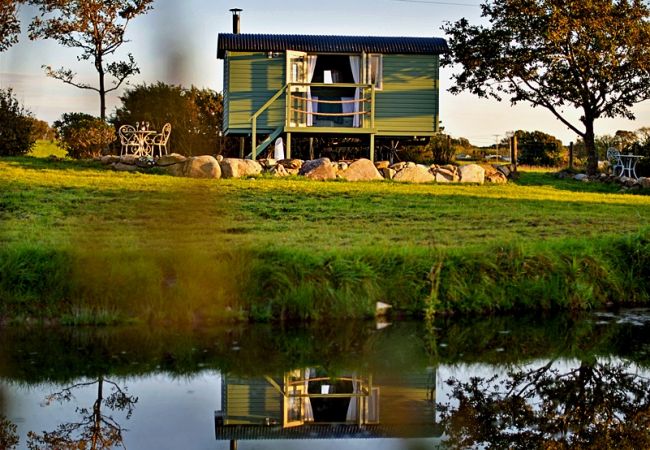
(318, 169)
(625, 183)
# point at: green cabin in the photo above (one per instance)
(310, 403)
(369, 87)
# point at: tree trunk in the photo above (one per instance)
(590, 146)
(97, 414)
(102, 89)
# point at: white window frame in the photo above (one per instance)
(379, 82)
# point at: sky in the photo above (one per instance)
(176, 43)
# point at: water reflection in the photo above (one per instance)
(589, 405)
(200, 388)
(95, 428)
(310, 403)
(8, 434)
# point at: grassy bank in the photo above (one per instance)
(88, 245)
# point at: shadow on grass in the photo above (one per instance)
(37, 163)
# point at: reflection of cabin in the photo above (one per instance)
(309, 404)
(385, 87)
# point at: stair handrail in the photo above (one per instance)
(254, 117)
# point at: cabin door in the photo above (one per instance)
(297, 72)
(294, 406)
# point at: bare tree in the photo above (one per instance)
(97, 27)
(95, 430)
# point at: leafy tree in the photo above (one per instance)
(97, 27)
(540, 149)
(82, 135)
(195, 114)
(9, 24)
(15, 126)
(592, 55)
(595, 405)
(41, 130)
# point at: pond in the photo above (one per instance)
(522, 382)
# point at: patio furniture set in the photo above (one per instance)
(141, 141)
(623, 165)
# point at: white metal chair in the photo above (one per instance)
(615, 162)
(159, 141)
(128, 140)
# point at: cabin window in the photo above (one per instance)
(375, 70)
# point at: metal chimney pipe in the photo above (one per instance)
(236, 28)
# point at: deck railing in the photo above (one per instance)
(307, 109)
(304, 110)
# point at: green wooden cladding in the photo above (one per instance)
(252, 79)
(408, 105)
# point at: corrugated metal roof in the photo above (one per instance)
(329, 44)
(326, 431)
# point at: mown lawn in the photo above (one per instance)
(136, 232)
(54, 202)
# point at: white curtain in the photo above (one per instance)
(309, 412)
(311, 108)
(355, 64)
(353, 410)
(348, 106)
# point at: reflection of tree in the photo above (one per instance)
(595, 405)
(8, 436)
(95, 430)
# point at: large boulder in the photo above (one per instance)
(322, 172)
(168, 160)
(442, 177)
(313, 164)
(128, 159)
(505, 169)
(205, 166)
(237, 168)
(121, 167)
(398, 166)
(496, 178)
(279, 171)
(644, 182)
(494, 175)
(291, 163)
(414, 174)
(388, 173)
(361, 170)
(472, 173)
(109, 159)
(445, 174)
(195, 167)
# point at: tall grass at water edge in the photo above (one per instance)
(287, 284)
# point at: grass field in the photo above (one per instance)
(43, 149)
(85, 243)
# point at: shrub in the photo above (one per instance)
(539, 149)
(41, 130)
(195, 114)
(82, 135)
(15, 126)
(440, 150)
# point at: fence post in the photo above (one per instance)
(514, 151)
